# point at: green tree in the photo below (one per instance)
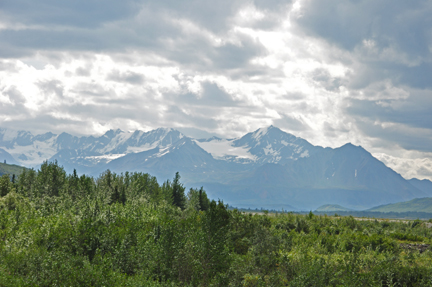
(27, 183)
(203, 200)
(178, 194)
(5, 185)
(51, 178)
(216, 226)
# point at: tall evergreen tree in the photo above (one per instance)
(179, 198)
(204, 202)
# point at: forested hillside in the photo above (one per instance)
(10, 169)
(417, 205)
(128, 230)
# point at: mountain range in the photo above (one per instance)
(266, 168)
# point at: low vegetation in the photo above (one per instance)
(128, 230)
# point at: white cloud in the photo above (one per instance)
(420, 168)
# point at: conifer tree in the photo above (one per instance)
(204, 202)
(179, 198)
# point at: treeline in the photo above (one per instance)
(376, 214)
(128, 230)
(369, 214)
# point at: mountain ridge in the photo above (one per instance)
(264, 167)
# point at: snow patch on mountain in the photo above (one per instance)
(105, 158)
(305, 154)
(35, 154)
(162, 152)
(144, 147)
(223, 149)
(119, 138)
(260, 133)
(268, 150)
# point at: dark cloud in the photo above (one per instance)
(77, 13)
(48, 122)
(150, 32)
(291, 123)
(83, 72)
(16, 98)
(394, 136)
(404, 24)
(414, 111)
(195, 133)
(233, 56)
(210, 98)
(272, 5)
(52, 88)
(417, 76)
(126, 77)
(324, 77)
(424, 172)
(213, 95)
(186, 117)
(391, 39)
(8, 67)
(332, 131)
(96, 91)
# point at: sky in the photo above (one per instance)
(328, 71)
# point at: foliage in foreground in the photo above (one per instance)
(127, 230)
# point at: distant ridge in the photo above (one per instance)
(332, 207)
(424, 185)
(415, 205)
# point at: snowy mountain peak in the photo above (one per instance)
(112, 133)
(272, 145)
(266, 131)
(259, 133)
(164, 130)
(265, 145)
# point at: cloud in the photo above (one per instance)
(126, 77)
(78, 13)
(409, 168)
(328, 71)
(413, 111)
(293, 123)
(394, 38)
(398, 24)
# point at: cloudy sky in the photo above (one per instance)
(328, 71)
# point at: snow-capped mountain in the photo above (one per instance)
(265, 168)
(265, 145)
(75, 152)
